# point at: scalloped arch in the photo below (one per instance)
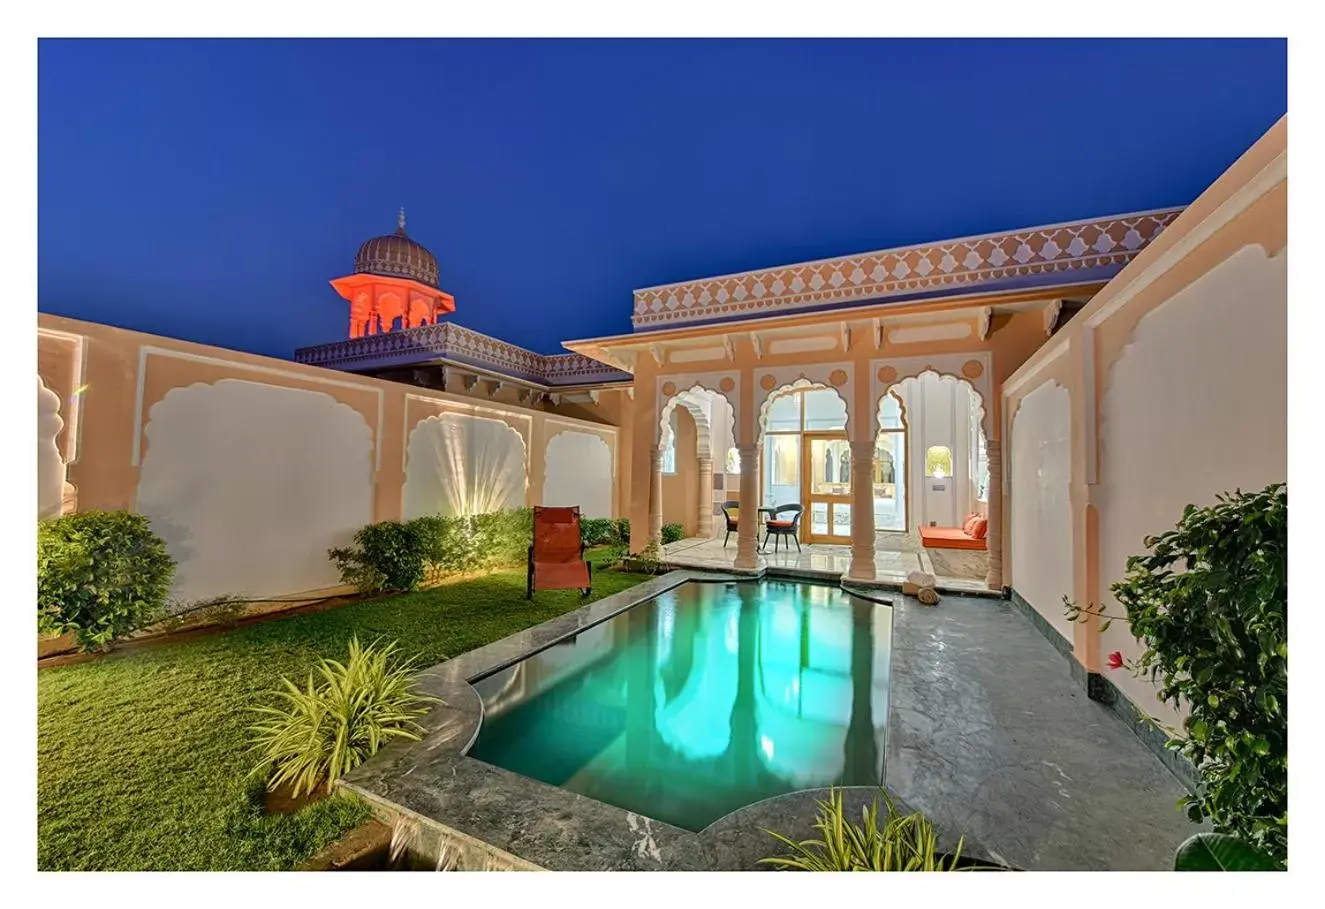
(687, 399)
(801, 382)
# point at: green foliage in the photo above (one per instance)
(387, 556)
(1210, 602)
(100, 575)
(503, 537)
(143, 760)
(902, 843)
(672, 533)
(598, 531)
(1221, 852)
(392, 556)
(338, 719)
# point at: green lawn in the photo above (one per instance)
(143, 757)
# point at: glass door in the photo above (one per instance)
(826, 468)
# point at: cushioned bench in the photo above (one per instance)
(971, 535)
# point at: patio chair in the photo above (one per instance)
(730, 511)
(778, 527)
(556, 555)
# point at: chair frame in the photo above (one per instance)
(731, 524)
(529, 582)
(777, 532)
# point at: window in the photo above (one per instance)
(669, 455)
(938, 462)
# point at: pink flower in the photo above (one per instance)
(1116, 660)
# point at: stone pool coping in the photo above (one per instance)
(529, 824)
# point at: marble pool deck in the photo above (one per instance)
(820, 561)
(988, 734)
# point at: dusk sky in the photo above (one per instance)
(209, 190)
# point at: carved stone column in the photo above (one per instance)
(994, 535)
(704, 522)
(862, 512)
(655, 495)
(747, 531)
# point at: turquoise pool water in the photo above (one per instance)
(707, 698)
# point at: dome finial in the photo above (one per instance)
(400, 222)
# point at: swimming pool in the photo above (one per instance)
(704, 699)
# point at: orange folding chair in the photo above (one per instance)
(556, 556)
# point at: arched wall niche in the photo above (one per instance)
(250, 484)
(1040, 522)
(578, 470)
(464, 464)
(50, 463)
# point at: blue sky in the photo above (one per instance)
(209, 190)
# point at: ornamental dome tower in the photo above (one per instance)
(394, 285)
(396, 256)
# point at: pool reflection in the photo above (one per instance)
(710, 697)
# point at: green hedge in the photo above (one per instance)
(672, 533)
(395, 556)
(100, 575)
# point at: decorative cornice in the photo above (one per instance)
(1046, 255)
(450, 341)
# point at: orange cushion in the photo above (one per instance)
(779, 523)
(979, 528)
(966, 525)
(948, 538)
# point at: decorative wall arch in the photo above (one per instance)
(698, 410)
(1040, 513)
(50, 465)
(578, 471)
(726, 385)
(972, 369)
(249, 484)
(772, 382)
(462, 464)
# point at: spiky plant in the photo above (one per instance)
(902, 843)
(340, 718)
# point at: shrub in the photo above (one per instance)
(1210, 602)
(343, 715)
(393, 556)
(388, 556)
(503, 537)
(903, 843)
(623, 531)
(100, 575)
(598, 531)
(672, 533)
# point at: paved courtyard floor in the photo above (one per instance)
(990, 736)
(895, 556)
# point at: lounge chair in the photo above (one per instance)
(556, 555)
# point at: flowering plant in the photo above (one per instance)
(1210, 604)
